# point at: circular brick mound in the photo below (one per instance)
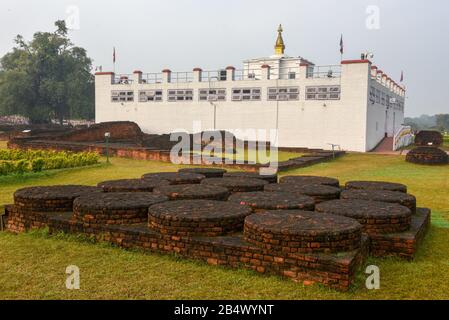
(207, 172)
(401, 198)
(193, 191)
(291, 231)
(376, 185)
(51, 198)
(306, 180)
(424, 137)
(273, 200)
(427, 155)
(197, 217)
(132, 185)
(114, 207)
(318, 192)
(237, 184)
(270, 178)
(375, 217)
(176, 177)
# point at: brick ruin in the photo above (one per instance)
(428, 137)
(427, 151)
(128, 141)
(427, 155)
(305, 228)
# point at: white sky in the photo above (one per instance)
(156, 34)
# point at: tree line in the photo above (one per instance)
(438, 122)
(47, 78)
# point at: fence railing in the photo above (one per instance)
(247, 74)
(289, 73)
(123, 79)
(214, 75)
(403, 137)
(181, 76)
(152, 78)
(330, 71)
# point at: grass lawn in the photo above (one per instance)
(253, 155)
(33, 265)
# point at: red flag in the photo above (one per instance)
(402, 76)
(113, 56)
(341, 45)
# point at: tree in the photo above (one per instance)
(442, 122)
(47, 78)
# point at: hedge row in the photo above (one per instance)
(47, 160)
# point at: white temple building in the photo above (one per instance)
(353, 105)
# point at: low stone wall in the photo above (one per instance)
(127, 149)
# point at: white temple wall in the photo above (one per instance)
(347, 122)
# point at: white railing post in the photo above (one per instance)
(137, 76)
(230, 73)
(303, 69)
(265, 72)
(197, 74)
(166, 76)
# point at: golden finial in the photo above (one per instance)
(279, 47)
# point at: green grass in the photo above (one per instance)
(254, 155)
(33, 264)
(445, 145)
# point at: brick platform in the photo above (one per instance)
(309, 180)
(401, 198)
(404, 244)
(207, 172)
(376, 185)
(319, 192)
(132, 185)
(237, 184)
(296, 231)
(197, 217)
(176, 177)
(52, 198)
(193, 191)
(302, 245)
(333, 270)
(259, 200)
(375, 217)
(424, 137)
(114, 207)
(270, 178)
(427, 155)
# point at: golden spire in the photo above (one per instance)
(279, 47)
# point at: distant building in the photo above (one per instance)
(353, 104)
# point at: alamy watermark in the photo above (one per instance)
(72, 281)
(372, 21)
(72, 20)
(230, 146)
(373, 280)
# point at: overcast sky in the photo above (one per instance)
(151, 35)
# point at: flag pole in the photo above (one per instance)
(341, 48)
(113, 59)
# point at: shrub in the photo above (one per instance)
(22, 166)
(21, 161)
(37, 164)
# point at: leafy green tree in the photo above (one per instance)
(47, 78)
(442, 122)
